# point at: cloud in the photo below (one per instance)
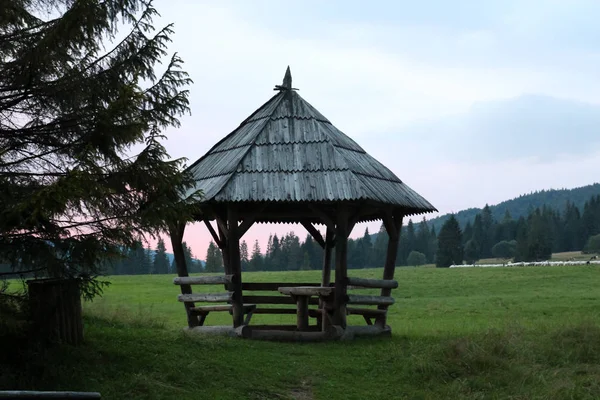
(438, 91)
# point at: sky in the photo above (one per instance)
(468, 102)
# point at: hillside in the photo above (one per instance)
(520, 206)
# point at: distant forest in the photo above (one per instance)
(525, 230)
(534, 235)
(523, 205)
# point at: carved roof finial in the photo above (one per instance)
(287, 81)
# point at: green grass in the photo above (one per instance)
(473, 333)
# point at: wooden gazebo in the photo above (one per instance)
(287, 163)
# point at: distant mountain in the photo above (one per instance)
(520, 206)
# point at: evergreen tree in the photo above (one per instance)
(214, 258)
(380, 247)
(190, 262)
(539, 241)
(477, 239)
(467, 232)
(487, 239)
(572, 232)
(521, 253)
(82, 170)
(306, 262)
(450, 249)
(256, 260)
(366, 245)
(161, 261)
(423, 240)
(274, 260)
(471, 252)
(244, 258)
(433, 244)
(314, 252)
(291, 252)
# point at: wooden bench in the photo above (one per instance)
(382, 302)
(250, 302)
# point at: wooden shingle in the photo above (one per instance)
(287, 151)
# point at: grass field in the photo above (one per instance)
(498, 333)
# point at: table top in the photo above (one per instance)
(306, 290)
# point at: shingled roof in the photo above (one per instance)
(287, 151)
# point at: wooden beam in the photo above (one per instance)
(370, 330)
(365, 312)
(249, 221)
(373, 283)
(208, 297)
(222, 225)
(203, 280)
(260, 299)
(369, 300)
(214, 234)
(176, 233)
(356, 216)
(394, 221)
(341, 266)
(233, 249)
(275, 311)
(329, 243)
(224, 251)
(272, 286)
(314, 232)
(217, 330)
(323, 216)
(292, 336)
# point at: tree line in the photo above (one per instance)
(529, 238)
(532, 238)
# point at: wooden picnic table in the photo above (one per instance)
(301, 294)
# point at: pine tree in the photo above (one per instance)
(244, 258)
(450, 249)
(423, 240)
(539, 240)
(314, 251)
(190, 262)
(214, 260)
(366, 245)
(256, 260)
(82, 171)
(488, 228)
(380, 247)
(521, 253)
(161, 261)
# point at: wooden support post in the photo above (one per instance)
(176, 232)
(341, 266)
(393, 224)
(326, 275)
(233, 249)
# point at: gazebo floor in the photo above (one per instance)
(290, 334)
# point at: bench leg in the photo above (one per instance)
(302, 312)
(248, 317)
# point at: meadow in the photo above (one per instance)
(473, 333)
